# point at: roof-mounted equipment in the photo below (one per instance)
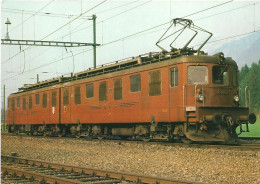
(186, 23)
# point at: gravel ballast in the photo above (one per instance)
(210, 165)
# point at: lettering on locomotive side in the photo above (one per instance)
(34, 112)
(95, 107)
(222, 91)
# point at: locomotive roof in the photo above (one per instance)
(145, 60)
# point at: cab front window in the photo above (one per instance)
(197, 74)
(220, 75)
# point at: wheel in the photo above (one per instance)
(186, 141)
(100, 138)
(146, 139)
(77, 136)
(170, 139)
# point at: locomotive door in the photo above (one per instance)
(54, 106)
(175, 93)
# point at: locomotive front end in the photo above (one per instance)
(211, 100)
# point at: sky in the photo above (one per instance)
(121, 31)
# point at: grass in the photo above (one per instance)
(254, 130)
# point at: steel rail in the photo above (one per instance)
(36, 176)
(112, 175)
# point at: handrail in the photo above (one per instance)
(246, 103)
(195, 94)
(183, 94)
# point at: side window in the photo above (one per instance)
(37, 99)
(24, 103)
(30, 102)
(77, 95)
(13, 104)
(155, 83)
(135, 83)
(18, 104)
(44, 100)
(235, 72)
(174, 77)
(89, 90)
(118, 89)
(53, 98)
(103, 91)
(65, 96)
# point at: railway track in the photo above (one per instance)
(251, 144)
(22, 170)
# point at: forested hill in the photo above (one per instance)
(250, 76)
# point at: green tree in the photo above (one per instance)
(250, 77)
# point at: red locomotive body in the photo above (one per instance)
(168, 95)
(190, 97)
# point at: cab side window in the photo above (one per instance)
(235, 74)
(174, 77)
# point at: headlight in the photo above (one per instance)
(201, 98)
(236, 98)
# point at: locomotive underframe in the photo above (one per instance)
(216, 124)
(211, 124)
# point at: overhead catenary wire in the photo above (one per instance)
(126, 4)
(56, 60)
(143, 30)
(32, 15)
(59, 28)
(106, 19)
(116, 15)
(221, 4)
(148, 30)
(228, 11)
(66, 16)
(196, 19)
(166, 23)
(59, 15)
(46, 14)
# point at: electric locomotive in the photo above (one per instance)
(183, 94)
